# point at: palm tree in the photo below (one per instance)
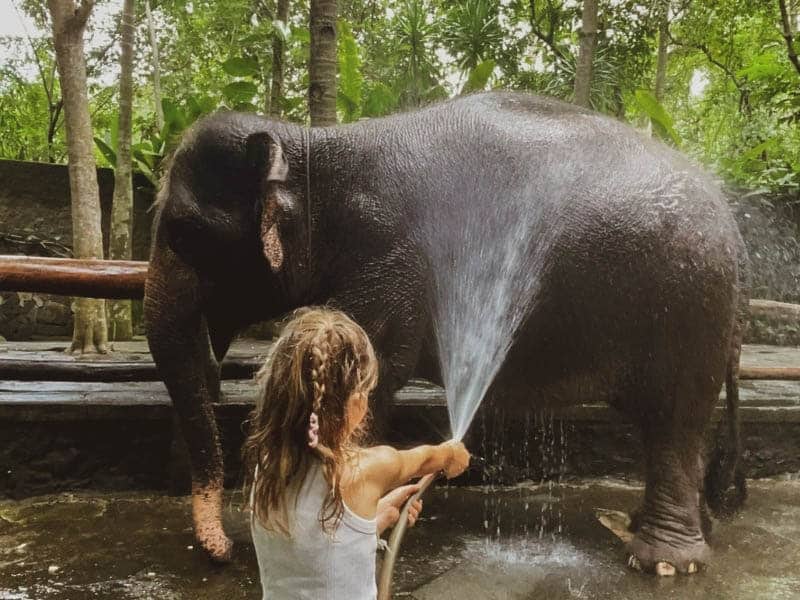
(588, 43)
(322, 64)
(472, 32)
(120, 322)
(419, 73)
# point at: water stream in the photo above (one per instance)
(483, 263)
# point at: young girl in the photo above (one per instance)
(314, 491)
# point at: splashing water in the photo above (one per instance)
(484, 262)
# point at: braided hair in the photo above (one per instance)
(320, 361)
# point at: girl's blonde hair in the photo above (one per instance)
(320, 360)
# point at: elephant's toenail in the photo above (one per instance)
(664, 569)
(692, 568)
(634, 563)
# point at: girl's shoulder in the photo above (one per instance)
(376, 462)
(376, 454)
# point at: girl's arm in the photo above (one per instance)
(387, 468)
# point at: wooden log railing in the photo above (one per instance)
(91, 278)
(125, 279)
(35, 369)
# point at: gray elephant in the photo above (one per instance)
(638, 263)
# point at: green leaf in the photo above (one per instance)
(245, 107)
(240, 66)
(350, 79)
(143, 157)
(107, 151)
(478, 77)
(379, 100)
(764, 67)
(174, 118)
(145, 169)
(659, 117)
(240, 91)
(757, 150)
(301, 35)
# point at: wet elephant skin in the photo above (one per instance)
(638, 263)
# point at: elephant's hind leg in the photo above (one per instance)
(669, 528)
(179, 342)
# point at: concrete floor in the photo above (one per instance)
(472, 544)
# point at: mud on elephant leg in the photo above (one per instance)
(668, 529)
(182, 349)
(192, 396)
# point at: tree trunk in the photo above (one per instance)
(322, 64)
(788, 36)
(156, 66)
(583, 70)
(278, 50)
(663, 42)
(69, 22)
(120, 322)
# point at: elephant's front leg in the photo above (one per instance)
(178, 336)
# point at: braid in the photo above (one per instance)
(320, 355)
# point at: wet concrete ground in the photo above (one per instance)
(138, 546)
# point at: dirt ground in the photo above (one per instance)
(525, 541)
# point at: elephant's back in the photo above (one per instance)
(634, 249)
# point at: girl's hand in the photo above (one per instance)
(458, 461)
(391, 504)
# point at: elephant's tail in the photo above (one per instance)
(725, 484)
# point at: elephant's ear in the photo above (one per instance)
(266, 154)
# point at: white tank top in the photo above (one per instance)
(312, 564)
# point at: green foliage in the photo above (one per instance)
(418, 78)
(240, 92)
(660, 119)
(732, 97)
(350, 81)
(472, 32)
(240, 66)
(478, 77)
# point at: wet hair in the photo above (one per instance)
(319, 362)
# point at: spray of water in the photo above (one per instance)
(483, 264)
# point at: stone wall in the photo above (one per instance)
(35, 220)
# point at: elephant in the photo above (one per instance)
(642, 281)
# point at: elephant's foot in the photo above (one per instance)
(666, 554)
(207, 513)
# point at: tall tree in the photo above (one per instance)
(69, 20)
(322, 63)
(583, 70)
(788, 36)
(278, 55)
(151, 26)
(663, 43)
(122, 208)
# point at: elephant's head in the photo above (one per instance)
(233, 199)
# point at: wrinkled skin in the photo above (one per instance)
(643, 274)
